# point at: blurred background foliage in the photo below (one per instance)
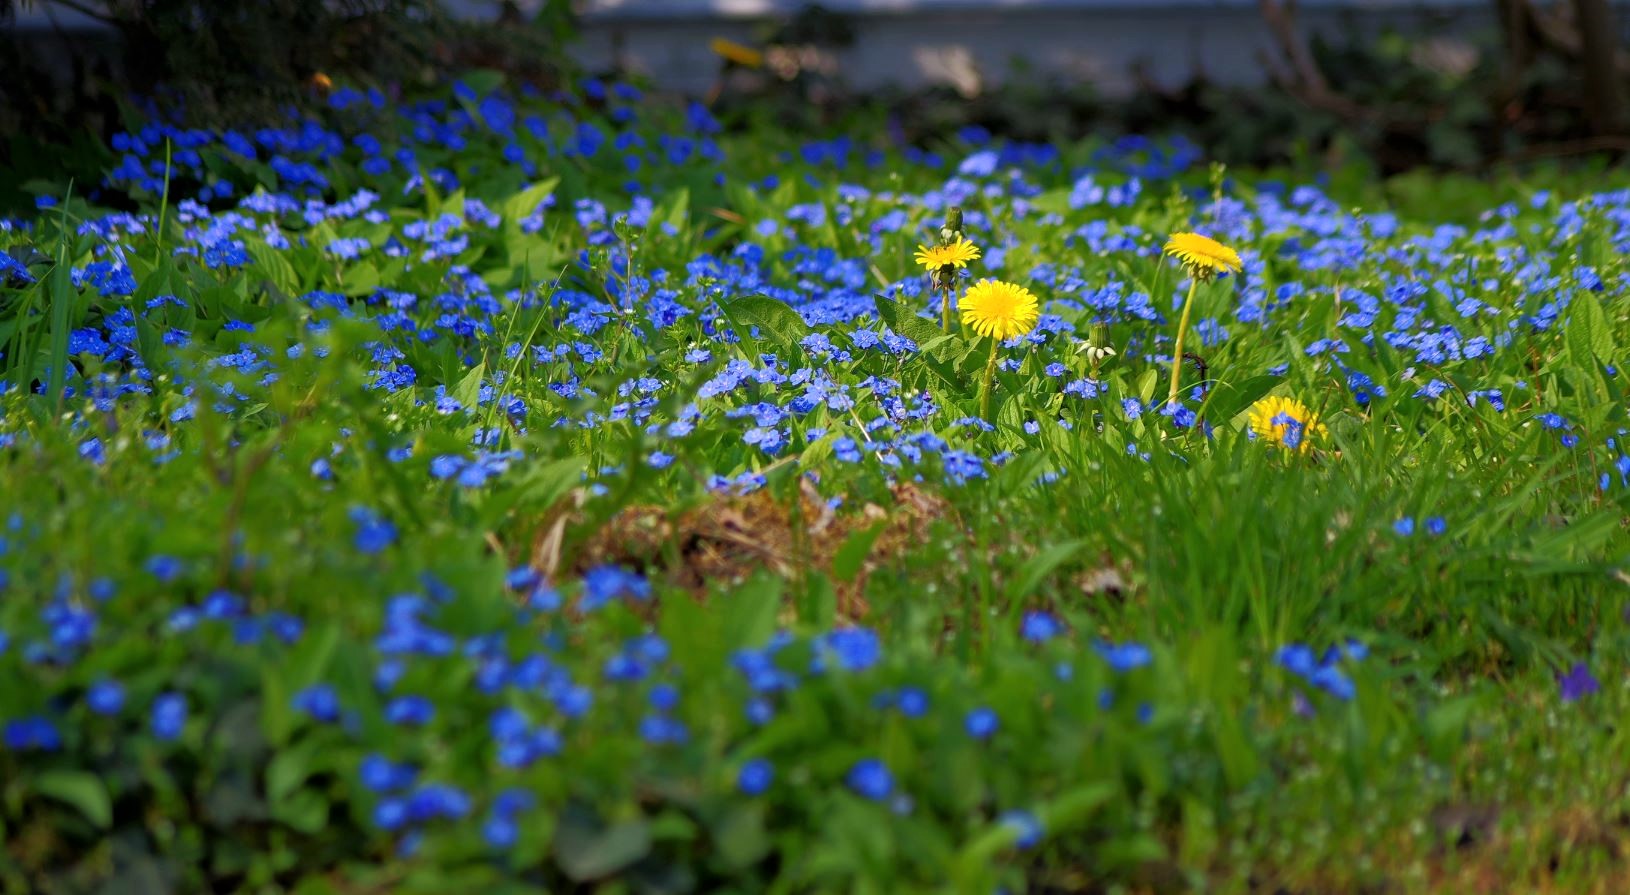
(1536, 84)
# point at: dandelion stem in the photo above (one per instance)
(945, 310)
(1182, 330)
(990, 377)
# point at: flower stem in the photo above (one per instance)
(945, 310)
(1177, 350)
(990, 376)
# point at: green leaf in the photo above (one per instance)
(1228, 400)
(81, 790)
(678, 208)
(1445, 727)
(772, 317)
(586, 852)
(276, 268)
(63, 296)
(749, 611)
(739, 836)
(1589, 335)
(905, 322)
(537, 489)
(305, 811)
(468, 390)
(525, 202)
(852, 555)
(1038, 567)
(290, 768)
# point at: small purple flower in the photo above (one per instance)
(1578, 682)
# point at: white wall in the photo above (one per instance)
(921, 42)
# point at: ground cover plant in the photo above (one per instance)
(511, 492)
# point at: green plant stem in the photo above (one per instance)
(945, 310)
(990, 377)
(1177, 350)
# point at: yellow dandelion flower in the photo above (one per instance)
(737, 53)
(1286, 422)
(957, 254)
(1203, 256)
(999, 310)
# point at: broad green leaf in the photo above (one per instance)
(846, 563)
(585, 852)
(1038, 567)
(468, 390)
(81, 790)
(1228, 400)
(774, 319)
(523, 203)
(1588, 335)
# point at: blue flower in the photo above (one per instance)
(35, 733)
(663, 730)
(106, 697)
(1333, 681)
(603, 584)
(1404, 527)
(912, 702)
(1125, 657)
(755, 776)
(871, 779)
(320, 702)
(379, 774)
(1039, 627)
(438, 800)
(759, 712)
(410, 710)
(500, 832)
(169, 716)
(1026, 824)
(981, 723)
(165, 568)
(1298, 659)
(663, 697)
(390, 814)
(856, 649)
(374, 533)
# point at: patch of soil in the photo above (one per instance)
(728, 539)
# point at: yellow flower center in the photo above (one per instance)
(999, 310)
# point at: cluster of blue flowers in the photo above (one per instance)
(425, 280)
